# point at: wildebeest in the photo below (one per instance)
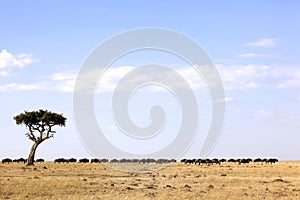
(150, 160)
(124, 160)
(84, 160)
(272, 160)
(162, 160)
(40, 160)
(135, 160)
(6, 160)
(104, 160)
(72, 160)
(190, 161)
(60, 160)
(20, 160)
(243, 161)
(95, 160)
(183, 160)
(114, 161)
(257, 160)
(232, 160)
(215, 161)
(200, 161)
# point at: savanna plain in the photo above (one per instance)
(51, 180)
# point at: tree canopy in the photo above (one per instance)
(40, 121)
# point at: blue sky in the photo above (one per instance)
(254, 44)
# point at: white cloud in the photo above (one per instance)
(15, 86)
(4, 73)
(227, 99)
(292, 83)
(63, 81)
(244, 77)
(253, 55)
(264, 42)
(234, 77)
(9, 60)
(252, 84)
(289, 77)
(69, 75)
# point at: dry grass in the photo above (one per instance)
(176, 181)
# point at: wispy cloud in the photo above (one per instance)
(289, 77)
(19, 60)
(244, 77)
(254, 55)
(8, 60)
(264, 42)
(234, 77)
(227, 99)
(16, 86)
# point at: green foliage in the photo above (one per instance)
(40, 117)
(40, 123)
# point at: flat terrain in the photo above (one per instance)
(175, 181)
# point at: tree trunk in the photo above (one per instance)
(30, 159)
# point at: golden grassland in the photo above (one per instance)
(175, 181)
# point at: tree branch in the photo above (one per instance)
(30, 134)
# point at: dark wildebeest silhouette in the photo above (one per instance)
(72, 160)
(104, 160)
(183, 160)
(142, 160)
(150, 160)
(245, 160)
(84, 160)
(40, 160)
(6, 160)
(125, 160)
(200, 161)
(135, 160)
(61, 160)
(215, 161)
(163, 160)
(208, 161)
(190, 161)
(231, 160)
(272, 160)
(20, 160)
(257, 160)
(95, 160)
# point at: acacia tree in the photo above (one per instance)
(39, 124)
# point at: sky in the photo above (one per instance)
(254, 45)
